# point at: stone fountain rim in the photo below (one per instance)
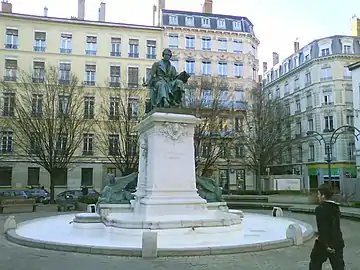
(12, 236)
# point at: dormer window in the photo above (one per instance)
(221, 24)
(347, 49)
(173, 19)
(205, 22)
(189, 21)
(325, 52)
(237, 25)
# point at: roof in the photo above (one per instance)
(354, 66)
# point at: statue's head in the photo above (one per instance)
(167, 54)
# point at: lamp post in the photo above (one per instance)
(329, 144)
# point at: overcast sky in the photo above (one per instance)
(277, 23)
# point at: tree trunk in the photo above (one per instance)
(52, 189)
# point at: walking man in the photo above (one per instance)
(330, 243)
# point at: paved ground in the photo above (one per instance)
(14, 257)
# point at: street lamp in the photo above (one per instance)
(329, 144)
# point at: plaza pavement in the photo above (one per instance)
(14, 257)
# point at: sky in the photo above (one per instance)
(277, 23)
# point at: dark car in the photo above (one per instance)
(39, 194)
(74, 194)
(20, 193)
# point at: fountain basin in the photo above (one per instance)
(257, 232)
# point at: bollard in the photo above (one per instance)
(277, 212)
(294, 232)
(91, 208)
(10, 223)
(149, 245)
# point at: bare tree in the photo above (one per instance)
(208, 98)
(49, 122)
(267, 131)
(121, 111)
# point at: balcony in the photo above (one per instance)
(190, 47)
(133, 55)
(327, 103)
(327, 130)
(64, 50)
(90, 83)
(115, 53)
(309, 107)
(151, 56)
(114, 84)
(90, 52)
(311, 159)
(64, 82)
(133, 85)
(307, 83)
(240, 105)
(38, 79)
(39, 49)
(326, 78)
(10, 78)
(11, 46)
(88, 153)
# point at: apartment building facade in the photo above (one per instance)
(101, 54)
(215, 45)
(315, 84)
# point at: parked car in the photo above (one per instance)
(19, 193)
(74, 195)
(39, 194)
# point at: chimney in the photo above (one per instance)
(154, 14)
(6, 7)
(296, 46)
(264, 67)
(102, 12)
(275, 58)
(81, 9)
(355, 26)
(46, 11)
(161, 5)
(207, 7)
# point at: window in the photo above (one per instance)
(7, 142)
(277, 92)
(298, 104)
(239, 124)
(9, 104)
(328, 98)
(325, 52)
(39, 41)
(115, 46)
(351, 151)
(347, 73)
(298, 128)
(61, 143)
(33, 176)
(205, 22)
(347, 49)
(222, 68)
(36, 105)
(151, 49)
(206, 97)
(238, 70)
(111, 171)
(91, 45)
(350, 120)
(89, 103)
(311, 152)
(66, 43)
(173, 19)
(60, 177)
(296, 84)
(300, 154)
(190, 66)
(88, 140)
(206, 67)
(113, 144)
(65, 73)
(86, 177)
(133, 77)
(11, 70)
(287, 108)
(189, 21)
(237, 45)
(63, 105)
(224, 97)
(307, 57)
(286, 89)
(206, 43)
(133, 48)
(173, 40)
(12, 39)
(222, 44)
(5, 176)
(175, 63)
(90, 74)
(309, 103)
(114, 108)
(307, 78)
(190, 42)
(326, 73)
(221, 24)
(133, 108)
(310, 124)
(239, 94)
(39, 72)
(114, 76)
(329, 123)
(237, 25)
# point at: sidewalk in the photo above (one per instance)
(346, 212)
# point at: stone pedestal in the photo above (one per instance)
(167, 184)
